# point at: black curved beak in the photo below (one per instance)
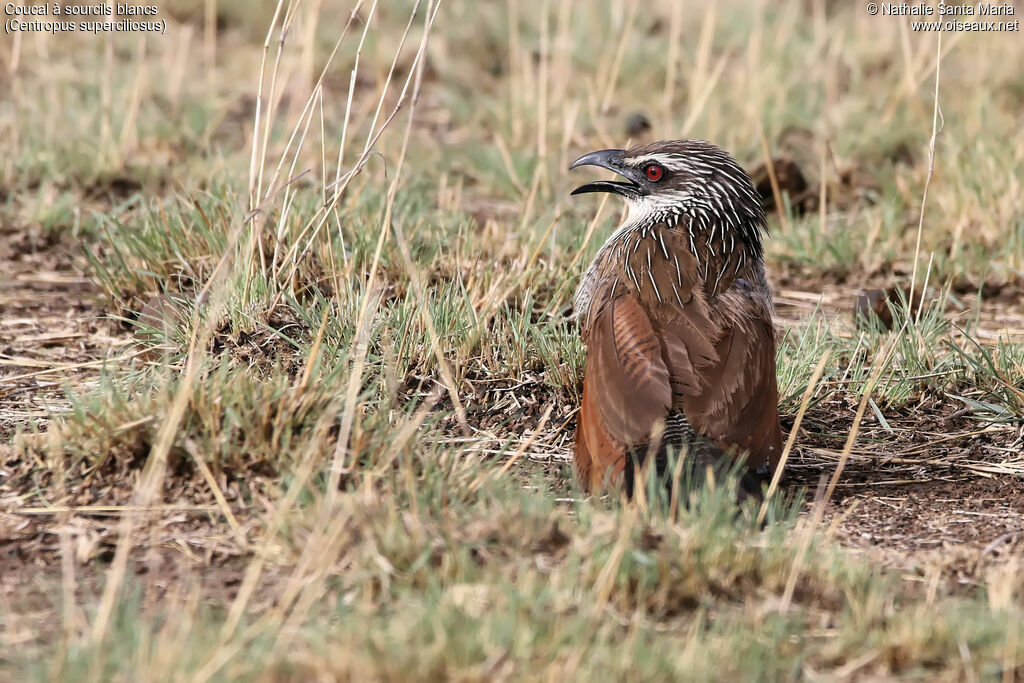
(612, 160)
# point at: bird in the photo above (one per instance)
(675, 313)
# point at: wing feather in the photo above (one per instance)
(626, 390)
(670, 349)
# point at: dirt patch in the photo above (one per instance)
(959, 528)
(54, 330)
(934, 492)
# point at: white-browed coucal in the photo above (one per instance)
(676, 315)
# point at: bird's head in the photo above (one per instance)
(670, 180)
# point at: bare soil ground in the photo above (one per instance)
(54, 330)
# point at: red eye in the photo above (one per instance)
(654, 172)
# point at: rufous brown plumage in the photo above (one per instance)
(676, 315)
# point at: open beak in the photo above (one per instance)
(612, 160)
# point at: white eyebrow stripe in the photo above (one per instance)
(638, 161)
(671, 162)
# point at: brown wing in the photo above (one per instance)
(721, 362)
(736, 403)
(661, 348)
(626, 390)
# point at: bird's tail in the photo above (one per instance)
(700, 460)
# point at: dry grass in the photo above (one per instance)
(287, 382)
